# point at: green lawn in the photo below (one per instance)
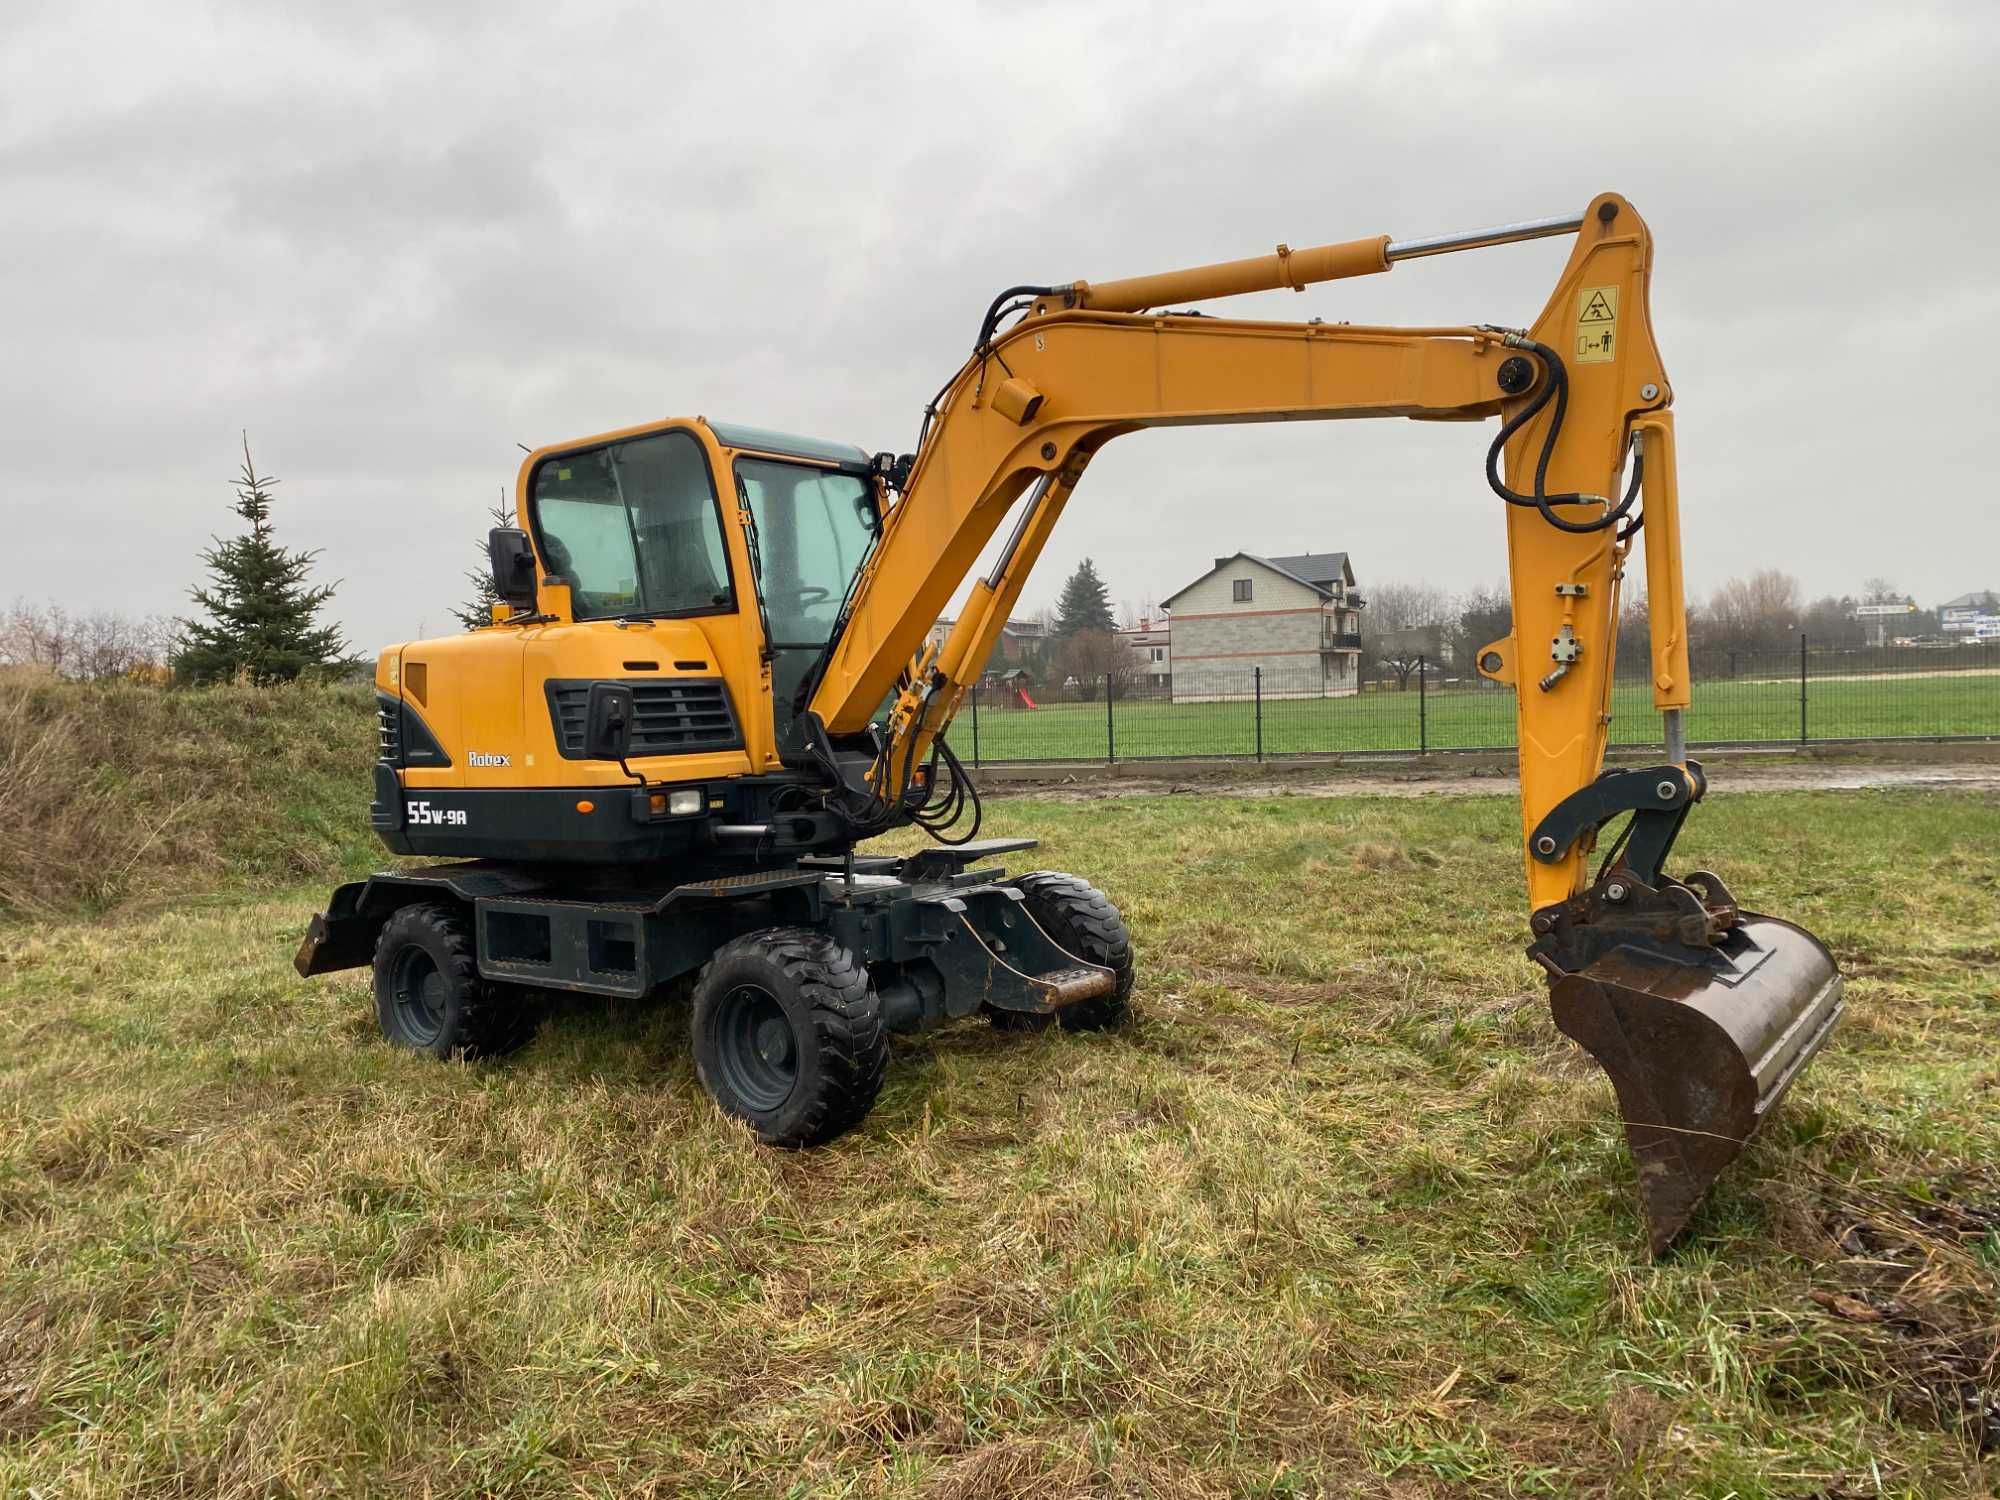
(1950, 704)
(1340, 1213)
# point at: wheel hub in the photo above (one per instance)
(757, 1048)
(775, 1044)
(421, 994)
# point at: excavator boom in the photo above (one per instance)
(1702, 1014)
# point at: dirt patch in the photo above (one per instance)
(1093, 785)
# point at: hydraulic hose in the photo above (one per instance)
(1554, 388)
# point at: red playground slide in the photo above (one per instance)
(1021, 697)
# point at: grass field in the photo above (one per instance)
(1339, 1214)
(1947, 704)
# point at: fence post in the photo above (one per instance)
(1257, 685)
(1802, 687)
(1110, 728)
(975, 726)
(1423, 702)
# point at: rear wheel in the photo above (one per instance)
(1082, 919)
(428, 993)
(788, 1035)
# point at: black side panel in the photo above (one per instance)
(539, 824)
(420, 746)
(385, 813)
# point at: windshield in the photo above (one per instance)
(633, 528)
(812, 528)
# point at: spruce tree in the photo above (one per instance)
(1085, 604)
(261, 609)
(478, 610)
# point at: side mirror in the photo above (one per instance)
(513, 566)
(607, 722)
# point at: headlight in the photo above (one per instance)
(686, 800)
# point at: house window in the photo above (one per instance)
(1159, 653)
(1241, 586)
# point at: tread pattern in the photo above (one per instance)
(1082, 919)
(492, 1020)
(846, 1017)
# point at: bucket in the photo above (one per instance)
(1699, 1045)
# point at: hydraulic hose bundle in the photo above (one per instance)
(1554, 388)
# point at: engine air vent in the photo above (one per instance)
(679, 716)
(388, 730)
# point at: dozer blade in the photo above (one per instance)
(1699, 1046)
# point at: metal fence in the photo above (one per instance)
(1800, 695)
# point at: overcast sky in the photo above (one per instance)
(394, 241)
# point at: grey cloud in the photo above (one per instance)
(394, 241)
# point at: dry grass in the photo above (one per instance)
(116, 790)
(1341, 1214)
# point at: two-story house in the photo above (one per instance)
(1152, 655)
(1296, 618)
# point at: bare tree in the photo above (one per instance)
(1482, 616)
(1761, 612)
(1405, 606)
(1096, 658)
(1635, 635)
(1406, 622)
(1399, 653)
(87, 646)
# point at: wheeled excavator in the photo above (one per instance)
(711, 682)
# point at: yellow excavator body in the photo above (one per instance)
(713, 680)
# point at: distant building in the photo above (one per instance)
(1153, 667)
(1965, 614)
(1019, 641)
(1297, 618)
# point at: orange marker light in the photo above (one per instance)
(586, 807)
(658, 802)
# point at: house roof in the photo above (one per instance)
(1971, 600)
(1321, 569)
(1316, 570)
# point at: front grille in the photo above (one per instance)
(677, 716)
(388, 731)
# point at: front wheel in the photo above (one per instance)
(428, 993)
(1082, 920)
(788, 1035)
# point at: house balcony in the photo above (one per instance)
(1343, 641)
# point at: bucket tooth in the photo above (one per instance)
(1699, 1042)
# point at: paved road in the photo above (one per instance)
(1087, 786)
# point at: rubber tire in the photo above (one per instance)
(1082, 919)
(836, 1020)
(478, 1019)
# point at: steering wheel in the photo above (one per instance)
(807, 593)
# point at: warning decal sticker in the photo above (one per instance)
(1596, 324)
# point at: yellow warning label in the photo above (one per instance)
(1596, 324)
